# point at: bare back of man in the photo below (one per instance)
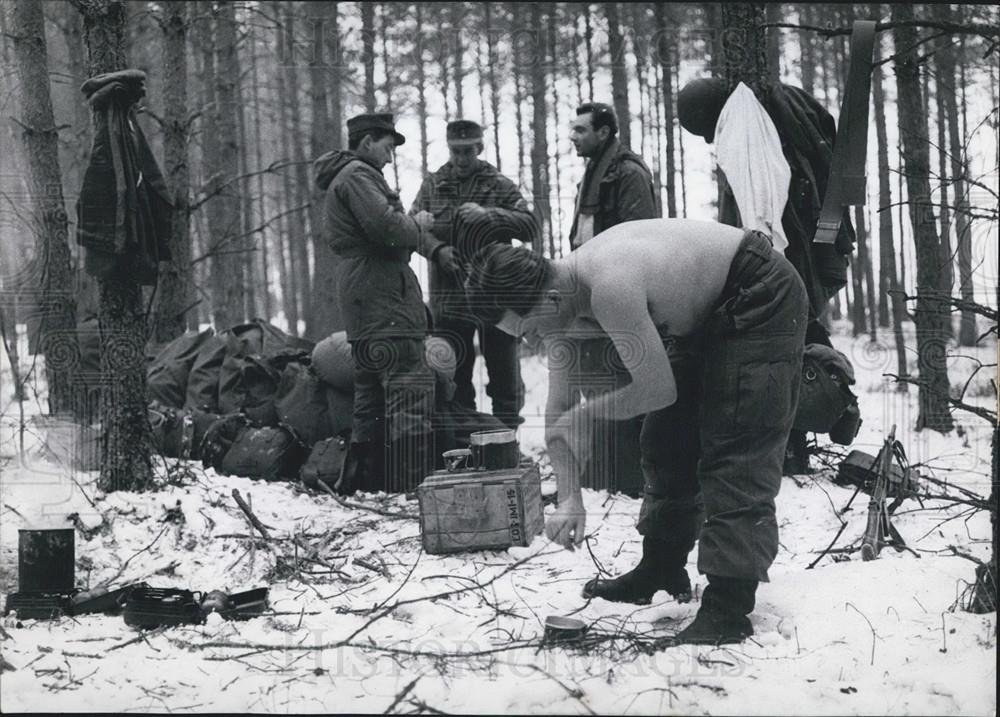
(676, 267)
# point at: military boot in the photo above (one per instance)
(722, 618)
(660, 568)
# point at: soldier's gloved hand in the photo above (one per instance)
(424, 219)
(565, 526)
(471, 211)
(446, 259)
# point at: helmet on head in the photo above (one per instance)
(699, 104)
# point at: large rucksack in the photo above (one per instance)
(325, 462)
(263, 342)
(167, 374)
(233, 447)
(301, 403)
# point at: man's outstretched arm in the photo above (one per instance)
(620, 307)
(567, 440)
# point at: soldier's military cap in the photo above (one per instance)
(464, 132)
(379, 120)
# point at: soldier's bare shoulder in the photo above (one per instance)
(678, 265)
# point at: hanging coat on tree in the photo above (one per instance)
(124, 209)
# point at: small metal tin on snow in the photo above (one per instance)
(564, 629)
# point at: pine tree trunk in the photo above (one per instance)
(125, 449)
(947, 273)
(807, 53)
(931, 314)
(865, 277)
(481, 61)
(578, 65)
(636, 20)
(264, 266)
(772, 13)
(902, 218)
(888, 284)
(443, 57)
(86, 286)
(422, 89)
(386, 66)
(368, 40)
(298, 241)
(556, 235)
(457, 14)
(745, 46)
(856, 307)
(175, 296)
(666, 28)
(887, 258)
(249, 240)
(714, 25)
(518, 99)
(945, 61)
(53, 278)
(588, 38)
(659, 129)
(491, 62)
(226, 263)
(539, 144)
(324, 318)
(680, 148)
(292, 225)
(619, 73)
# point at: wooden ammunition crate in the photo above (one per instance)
(480, 510)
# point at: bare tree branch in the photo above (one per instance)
(983, 413)
(987, 31)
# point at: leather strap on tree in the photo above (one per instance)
(847, 169)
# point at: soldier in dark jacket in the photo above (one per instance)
(383, 307)
(473, 205)
(617, 187)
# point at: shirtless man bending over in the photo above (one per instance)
(709, 321)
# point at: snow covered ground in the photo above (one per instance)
(371, 624)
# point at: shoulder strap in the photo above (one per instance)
(847, 171)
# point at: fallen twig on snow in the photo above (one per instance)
(402, 694)
(250, 514)
(370, 508)
(576, 693)
(133, 557)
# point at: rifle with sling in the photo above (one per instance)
(880, 531)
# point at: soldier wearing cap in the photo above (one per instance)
(383, 307)
(473, 205)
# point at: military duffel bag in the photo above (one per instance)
(271, 453)
(325, 462)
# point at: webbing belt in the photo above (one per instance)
(847, 169)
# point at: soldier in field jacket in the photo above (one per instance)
(383, 307)
(473, 205)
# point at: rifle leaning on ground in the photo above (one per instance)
(880, 531)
